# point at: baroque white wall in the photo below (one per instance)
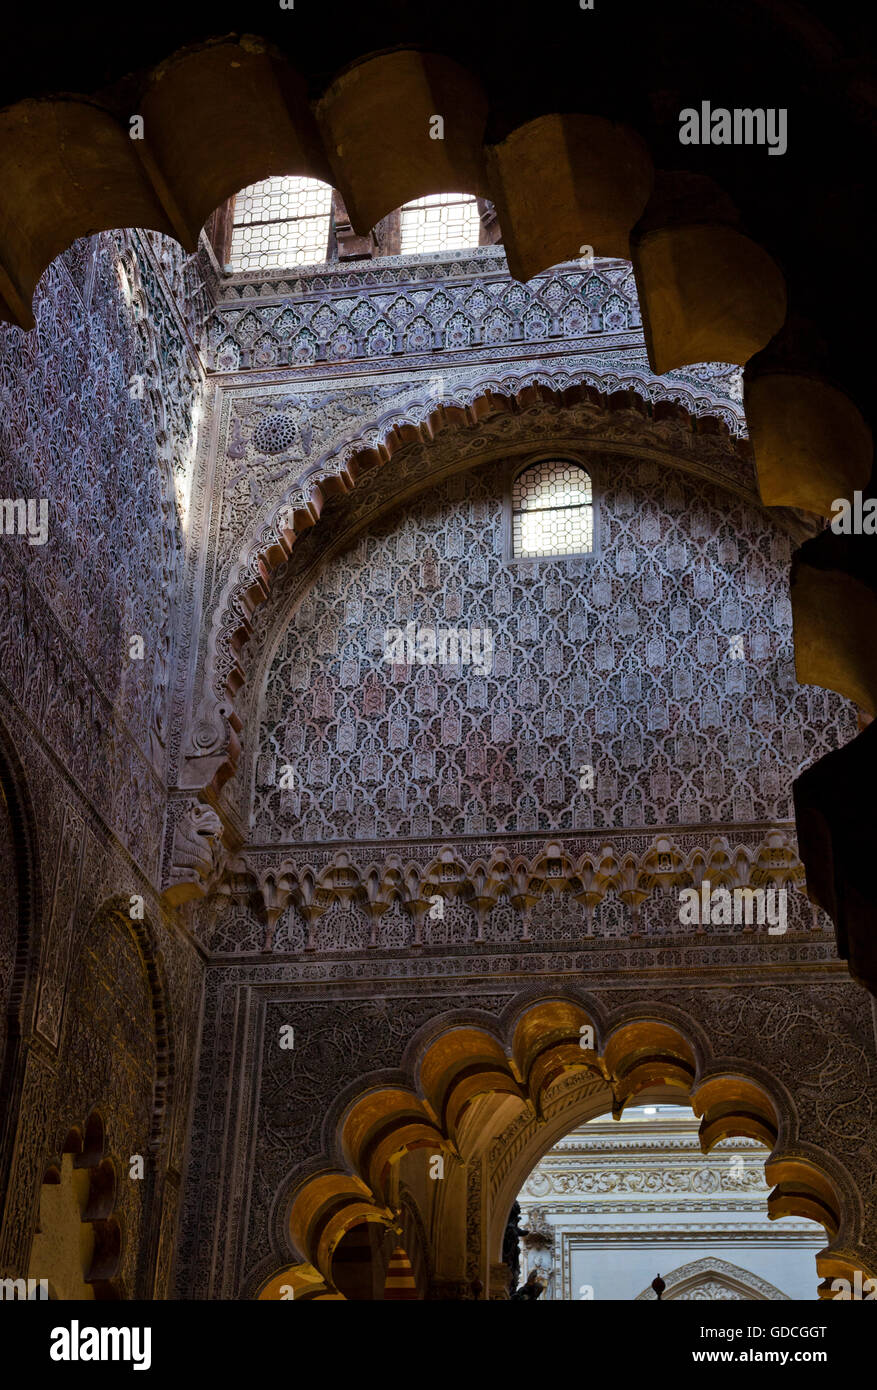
(625, 1201)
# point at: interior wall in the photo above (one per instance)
(99, 405)
(361, 1030)
(624, 663)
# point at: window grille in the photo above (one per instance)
(552, 510)
(281, 222)
(440, 222)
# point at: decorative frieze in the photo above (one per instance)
(430, 307)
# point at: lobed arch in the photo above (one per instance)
(557, 178)
(500, 1093)
(84, 1179)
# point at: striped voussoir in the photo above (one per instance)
(400, 1276)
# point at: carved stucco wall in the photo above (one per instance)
(276, 432)
(97, 418)
(98, 413)
(622, 664)
(435, 310)
(346, 416)
(118, 483)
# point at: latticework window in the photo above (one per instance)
(552, 510)
(281, 222)
(440, 222)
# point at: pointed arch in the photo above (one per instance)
(712, 1278)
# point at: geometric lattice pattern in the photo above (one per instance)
(440, 222)
(488, 309)
(551, 510)
(650, 684)
(281, 222)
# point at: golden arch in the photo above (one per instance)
(557, 1065)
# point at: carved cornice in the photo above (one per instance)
(595, 1182)
(356, 275)
(702, 1231)
(693, 1233)
(723, 1203)
(586, 868)
(424, 308)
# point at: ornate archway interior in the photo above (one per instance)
(437, 1165)
(274, 822)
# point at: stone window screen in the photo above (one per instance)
(281, 222)
(552, 510)
(440, 222)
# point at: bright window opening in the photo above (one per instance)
(440, 222)
(552, 510)
(281, 222)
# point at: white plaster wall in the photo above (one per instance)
(622, 1271)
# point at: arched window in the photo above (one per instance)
(281, 222)
(552, 510)
(440, 222)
